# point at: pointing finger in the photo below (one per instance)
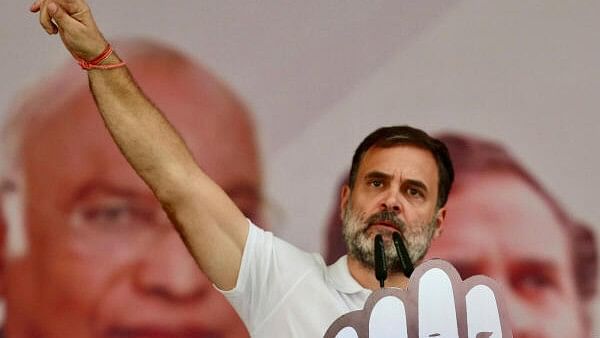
(388, 319)
(35, 7)
(46, 19)
(437, 308)
(482, 313)
(61, 18)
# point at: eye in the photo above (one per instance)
(531, 281)
(112, 216)
(376, 183)
(118, 213)
(535, 283)
(414, 192)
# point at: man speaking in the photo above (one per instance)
(399, 182)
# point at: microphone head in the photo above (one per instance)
(405, 261)
(380, 263)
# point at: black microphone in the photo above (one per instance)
(405, 262)
(380, 264)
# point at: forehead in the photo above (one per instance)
(499, 215)
(72, 145)
(408, 160)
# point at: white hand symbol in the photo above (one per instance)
(437, 304)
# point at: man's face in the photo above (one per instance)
(395, 190)
(498, 226)
(103, 260)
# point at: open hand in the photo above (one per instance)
(437, 304)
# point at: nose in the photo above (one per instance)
(391, 200)
(168, 271)
(523, 319)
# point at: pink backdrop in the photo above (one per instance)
(318, 76)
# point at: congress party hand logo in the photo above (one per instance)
(437, 304)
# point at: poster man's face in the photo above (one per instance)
(103, 260)
(498, 226)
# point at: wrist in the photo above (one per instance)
(90, 47)
(112, 59)
(107, 59)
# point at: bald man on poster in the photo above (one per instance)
(86, 249)
(400, 181)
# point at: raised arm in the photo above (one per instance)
(210, 224)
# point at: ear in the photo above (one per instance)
(344, 199)
(439, 220)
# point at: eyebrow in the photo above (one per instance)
(103, 187)
(377, 174)
(535, 264)
(382, 175)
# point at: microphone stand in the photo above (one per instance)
(380, 263)
(405, 262)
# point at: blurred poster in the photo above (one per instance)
(299, 84)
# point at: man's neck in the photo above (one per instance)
(365, 276)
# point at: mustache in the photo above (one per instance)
(388, 217)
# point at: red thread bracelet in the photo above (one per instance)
(95, 63)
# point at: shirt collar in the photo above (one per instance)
(341, 279)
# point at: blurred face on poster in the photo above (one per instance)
(498, 226)
(88, 249)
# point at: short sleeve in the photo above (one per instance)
(269, 269)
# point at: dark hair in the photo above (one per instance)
(397, 135)
(475, 156)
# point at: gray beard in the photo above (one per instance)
(361, 247)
